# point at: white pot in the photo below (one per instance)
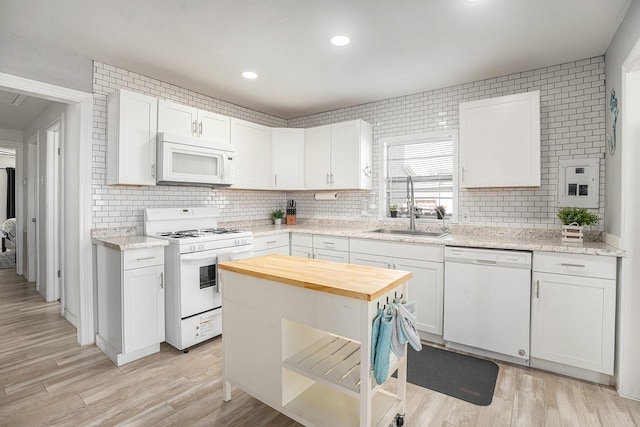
(277, 221)
(572, 233)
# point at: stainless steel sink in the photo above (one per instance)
(434, 234)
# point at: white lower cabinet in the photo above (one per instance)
(573, 308)
(320, 246)
(130, 302)
(271, 244)
(424, 261)
(331, 248)
(302, 245)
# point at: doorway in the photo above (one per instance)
(77, 237)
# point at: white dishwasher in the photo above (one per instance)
(487, 302)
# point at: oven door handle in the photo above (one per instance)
(193, 258)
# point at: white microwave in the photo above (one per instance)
(183, 160)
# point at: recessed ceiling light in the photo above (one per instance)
(249, 75)
(340, 40)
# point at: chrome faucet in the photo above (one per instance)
(444, 228)
(411, 202)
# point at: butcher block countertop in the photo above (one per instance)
(349, 280)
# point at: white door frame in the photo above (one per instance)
(86, 328)
(33, 161)
(19, 147)
(628, 375)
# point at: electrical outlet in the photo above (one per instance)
(464, 215)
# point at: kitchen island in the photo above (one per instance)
(297, 336)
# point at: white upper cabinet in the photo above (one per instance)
(254, 151)
(132, 120)
(189, 121)
(500, 141)
(339, 156)
(317, 158)
(288, 158)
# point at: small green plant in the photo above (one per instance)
(277, 214)
(393, 208)
(580, 216)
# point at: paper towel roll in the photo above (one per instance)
(326, 196)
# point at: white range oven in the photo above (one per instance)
(193, 304)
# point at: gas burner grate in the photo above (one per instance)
(181, 234)
(219, 230)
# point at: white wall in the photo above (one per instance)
(622, 201)
(622, 43)
(25, 58)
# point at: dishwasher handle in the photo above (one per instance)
(484, 262)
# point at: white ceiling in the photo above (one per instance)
(17, 114)
(398, 47)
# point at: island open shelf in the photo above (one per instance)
(297, 336)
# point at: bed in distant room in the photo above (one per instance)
(8, 232)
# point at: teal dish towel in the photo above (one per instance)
(374, 335)
(383, 349)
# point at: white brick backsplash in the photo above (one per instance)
(122, 206)
(572, 125)
(572, 102)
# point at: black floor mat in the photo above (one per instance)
(457, 375)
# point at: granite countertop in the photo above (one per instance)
(526, 242)
(124, 239)
(125, 243)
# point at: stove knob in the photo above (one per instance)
(201, 247)
(192, 248)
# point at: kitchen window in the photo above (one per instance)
(431, 160)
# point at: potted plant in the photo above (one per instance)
(393, 210)
(277, 216)
(441, 211)
(573, 220)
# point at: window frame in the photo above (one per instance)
(413, 139)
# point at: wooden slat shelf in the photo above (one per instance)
(333, 361)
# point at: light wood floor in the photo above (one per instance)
(47, 379)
